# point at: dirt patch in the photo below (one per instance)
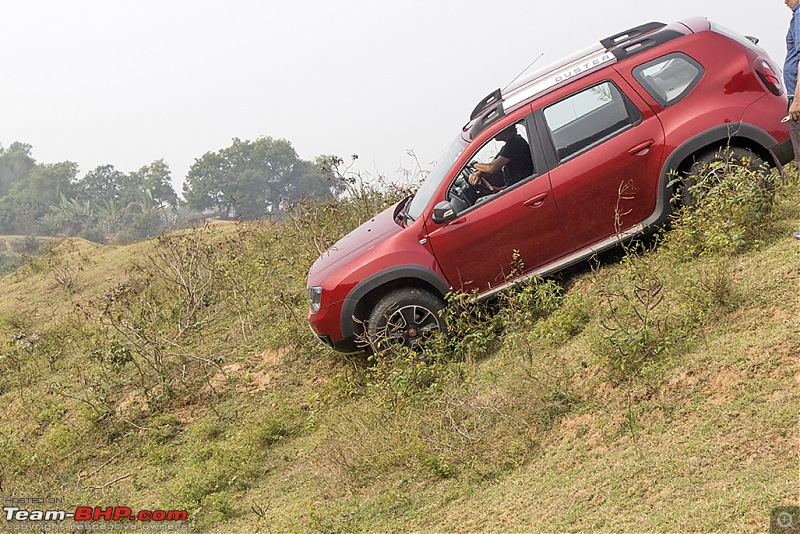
(253, 375)
(273, 357)
(132, 401)
(582, 428)
(685, 381)
(723, 387)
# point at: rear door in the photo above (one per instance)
(606, 145)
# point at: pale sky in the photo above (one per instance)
(126, 83)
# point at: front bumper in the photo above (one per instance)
(345, 346)
(326, 326)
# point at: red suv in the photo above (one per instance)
(549, 171)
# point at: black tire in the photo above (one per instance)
(734, 156)
(405, 317)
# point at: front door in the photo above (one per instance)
(502, 236)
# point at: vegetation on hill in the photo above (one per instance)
(248, 180)
(654, 390)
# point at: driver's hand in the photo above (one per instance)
(474, 178)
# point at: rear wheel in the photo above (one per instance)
(404, 318)
(711, 166)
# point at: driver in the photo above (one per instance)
(512, 164)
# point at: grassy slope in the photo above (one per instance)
(14, 249)
(283, 436)
(715, 446)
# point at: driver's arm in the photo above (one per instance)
(491, 168)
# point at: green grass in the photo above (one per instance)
(179, 374)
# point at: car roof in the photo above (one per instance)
(606, 52)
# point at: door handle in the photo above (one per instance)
(536, 201)
(641, 149)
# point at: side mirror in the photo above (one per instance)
(443, 212)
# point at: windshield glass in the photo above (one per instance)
(431, 183)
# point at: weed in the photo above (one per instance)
(637, 330)
(731, 209)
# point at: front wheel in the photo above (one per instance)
(405, 317)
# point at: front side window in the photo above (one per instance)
(585, 119)
(670, 78)
(501, 163)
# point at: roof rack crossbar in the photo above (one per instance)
(631, 48)
(493, 115)
(633, 33)
(490, 99)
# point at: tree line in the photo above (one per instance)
(247, 180)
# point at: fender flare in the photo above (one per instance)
(382, 278)
(723, 132)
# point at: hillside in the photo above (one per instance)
(657, 390)
(14, 249)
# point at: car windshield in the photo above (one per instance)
(431, 183)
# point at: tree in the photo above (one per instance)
(320, 179)
(157, 179)
(102, 185)
(205, 186)
(251, 179)
(22, 210)
(15, 164)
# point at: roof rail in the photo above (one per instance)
(633, 33)
(495, 113)
(631, 48)
(614, 48)
(492, 98)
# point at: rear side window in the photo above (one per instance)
(670, 78)
(586, 118)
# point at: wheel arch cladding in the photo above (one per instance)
(733, 134)
(363, 297)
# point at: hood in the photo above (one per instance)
(357, 242)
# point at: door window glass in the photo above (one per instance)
(587, 118)
(502, 162)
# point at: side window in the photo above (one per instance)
(584, 119)
(502, 162)
(670, 78)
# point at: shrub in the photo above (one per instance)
(731, 209)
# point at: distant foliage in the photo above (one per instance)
(248, 180)
(252, 179)
(105, 205)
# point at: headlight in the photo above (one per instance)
(314, 297)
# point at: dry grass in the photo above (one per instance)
(523, 433)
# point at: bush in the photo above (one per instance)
(731, 209)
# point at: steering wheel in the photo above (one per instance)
(460, 185)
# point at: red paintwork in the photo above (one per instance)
(575, 204)
(376, 245)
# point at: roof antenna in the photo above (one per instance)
(523, 71)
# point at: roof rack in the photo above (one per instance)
(492, 98)
(495, 113)
(613, 48)
(631, 48)
(633, 33)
